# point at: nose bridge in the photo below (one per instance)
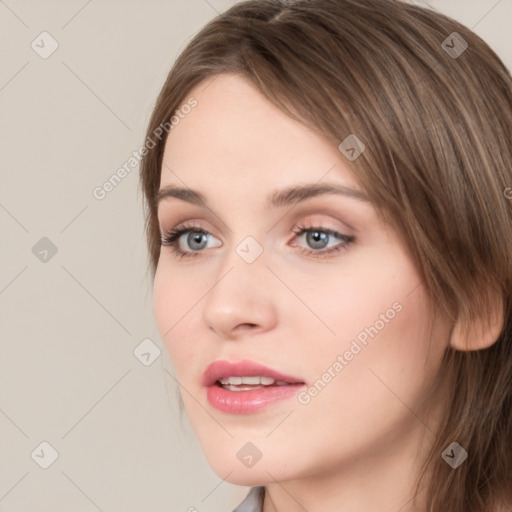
(237, 296)
(244, 260)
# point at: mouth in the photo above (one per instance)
(245, 374)
(246, 383)
(246, 386)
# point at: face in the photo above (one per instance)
(317, 289)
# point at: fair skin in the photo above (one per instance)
(357, 445)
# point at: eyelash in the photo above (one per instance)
(171, 239)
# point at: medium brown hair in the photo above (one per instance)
(437, 130)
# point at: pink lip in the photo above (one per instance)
(221, 369)
(249, 401)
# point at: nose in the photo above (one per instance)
(242, 298)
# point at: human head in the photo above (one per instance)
(433, 166)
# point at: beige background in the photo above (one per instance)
(69, 325)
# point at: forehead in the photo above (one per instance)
(234, 139)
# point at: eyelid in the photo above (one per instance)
(333, 210)
(321, 219)
(312, 221)
(334, 207)
(189, 223)
(186, 213)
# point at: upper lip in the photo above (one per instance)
(222, 369)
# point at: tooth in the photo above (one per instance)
(282, 383)
(251, 380)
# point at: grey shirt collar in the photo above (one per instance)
(253, 502)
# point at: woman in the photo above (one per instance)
(328, 200)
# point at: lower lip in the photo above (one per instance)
(252, 400)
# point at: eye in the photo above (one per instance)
(319, 237)
(196, 237)
(316, 236)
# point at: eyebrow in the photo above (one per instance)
(278, 198)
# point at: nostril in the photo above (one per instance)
(247, 326)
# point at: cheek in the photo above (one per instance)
(173, 302)
(347, 299)
(378, 317)
(385, 358)
(370, 397)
